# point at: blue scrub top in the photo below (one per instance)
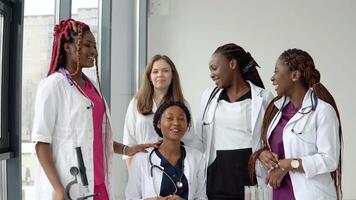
(176, 173)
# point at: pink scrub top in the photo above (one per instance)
(98, 108)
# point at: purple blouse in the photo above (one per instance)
(285, 191)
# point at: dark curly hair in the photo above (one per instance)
(158, 114)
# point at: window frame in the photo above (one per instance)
(10, 155)
(5, 10)
(10, 152)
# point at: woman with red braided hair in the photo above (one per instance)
(301, 133)
(70, 112)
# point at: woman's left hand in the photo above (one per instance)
(130, 151)
(275, 177)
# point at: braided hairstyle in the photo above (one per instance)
(296, 59)
(65, 32)
(164, 106)
(246, 62)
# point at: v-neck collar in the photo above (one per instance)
(165, 163)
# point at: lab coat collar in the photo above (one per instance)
(282, 102)
(154, 106)
(257, 99)
(255, 90)
(157, 174)
(65, 73)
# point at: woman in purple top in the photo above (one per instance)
(301, 133)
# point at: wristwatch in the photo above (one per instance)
(294, 164)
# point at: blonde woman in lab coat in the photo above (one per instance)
(160, 83)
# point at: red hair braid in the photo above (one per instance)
(65, 32)
(79, 47)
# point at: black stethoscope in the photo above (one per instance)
(211, 97)
(177, 185)
(306, 110)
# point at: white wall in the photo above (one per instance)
(190, 30)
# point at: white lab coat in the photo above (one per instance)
(315, 140)
(63, 118)
(205, 127)
(141, 185)
(138, 128)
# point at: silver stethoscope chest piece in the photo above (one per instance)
(179, 184)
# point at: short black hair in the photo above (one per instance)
(158, 114)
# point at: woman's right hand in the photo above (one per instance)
(58, 194)
(130, 151)
(268, 159)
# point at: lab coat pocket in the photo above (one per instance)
(323, 187)
(61, 145)
(63, 156)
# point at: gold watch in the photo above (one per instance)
(294, 164)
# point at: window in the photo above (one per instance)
(39, 20)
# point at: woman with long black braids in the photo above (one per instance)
(230, 121)
(301, 133)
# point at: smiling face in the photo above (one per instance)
(221, 71)
(173, 123)
(283, 79)
(88, 51)
(161, 74)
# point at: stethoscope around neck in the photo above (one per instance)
(303, 111)
(208, 104)
(211, 97)
(177, 185)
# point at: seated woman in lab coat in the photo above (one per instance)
(172, 171)
(301, 133)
